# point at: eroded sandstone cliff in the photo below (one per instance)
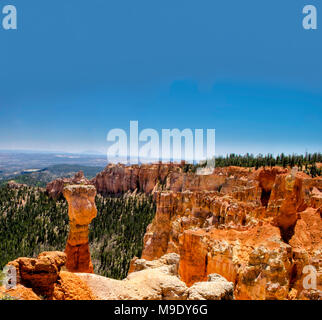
(43, 278)
(158, 280)
(258, 230)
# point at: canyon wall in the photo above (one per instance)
(258, 230)
(150, 177)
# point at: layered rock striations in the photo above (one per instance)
(117, 179)
(158, 280)
(56, 187)
(258, 230)
(43, 278)
(150, 177)
(81, 211)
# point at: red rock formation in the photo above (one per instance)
(253, 231)
(81, 211)
(257, 261)
(257, 228)
(42, 278)
(40, 273)
(158, 280)
(120, 178)
(117, 179)
(71, 287)
(19, 292)
(56, 187)
(306, 245)
(147, 178)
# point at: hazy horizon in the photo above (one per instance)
(101, 154)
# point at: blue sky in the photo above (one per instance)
(76, 69)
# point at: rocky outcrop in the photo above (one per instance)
(258, 230)
(40, 273)
(81, 211)
(71, 287)
(42, 278)
(14, 185)
(56, 187)
(157, 280)
(115, 179)
(257, 261)
(307, 252)
(19, 292)
(118, 179)
(216, 288)
(180, 211)
(149, 280)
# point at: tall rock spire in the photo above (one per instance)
(81, 211)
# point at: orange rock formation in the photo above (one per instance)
(258, 230)
(81, 211)
(42, 278)
(56, 187)
(150, 177)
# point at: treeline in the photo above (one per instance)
(306, 163)
(249, 160)
(31, 222)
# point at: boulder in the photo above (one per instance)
(217, 288)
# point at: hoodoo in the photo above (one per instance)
(81, 211)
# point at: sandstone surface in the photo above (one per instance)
(216, 288)
(43, 278)
(157, 280)
(81, 211)
(55, 188)
(259, 229)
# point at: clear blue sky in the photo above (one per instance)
(76, 69)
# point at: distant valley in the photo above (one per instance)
(37, 169)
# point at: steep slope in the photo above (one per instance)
(257, 231)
